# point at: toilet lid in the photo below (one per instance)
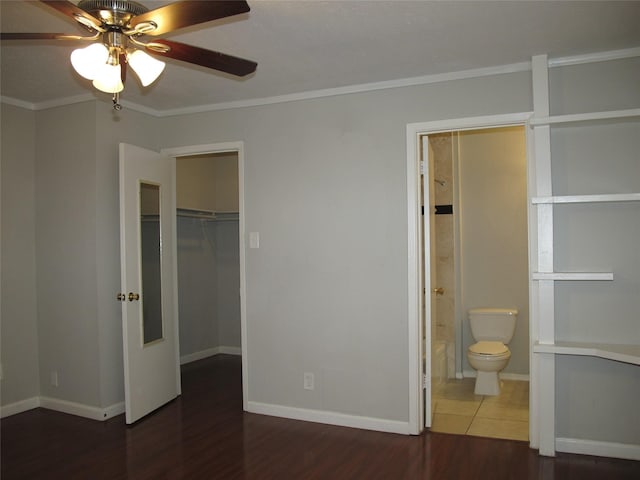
(489, 348)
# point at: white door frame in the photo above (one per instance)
(226, 147)
(414, 132)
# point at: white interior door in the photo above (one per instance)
(149, 280)
(428, 273)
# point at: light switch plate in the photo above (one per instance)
(254, 240)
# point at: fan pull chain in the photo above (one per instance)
(116, 102)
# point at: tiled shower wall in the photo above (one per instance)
(442, 148)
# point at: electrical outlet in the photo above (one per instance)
(308, 381)
(54, 378)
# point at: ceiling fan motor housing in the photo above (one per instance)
(113, 13)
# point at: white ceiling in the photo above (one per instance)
(307, 45)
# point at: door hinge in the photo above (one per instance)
(421, 167)
(424, 381)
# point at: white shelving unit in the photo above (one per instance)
(616, 197)
(546, 347)
(585, 117)
(619, 353)
(572, 276)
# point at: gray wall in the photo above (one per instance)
(18, 316)
(228, 283)
(595, 398)
(61, 213)
(66, 254)
(325, 185)
(208, 284)
(197, 285)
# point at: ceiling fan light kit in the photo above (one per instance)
(109, 76)
(120, 24)
(86, 60)
(146, 67)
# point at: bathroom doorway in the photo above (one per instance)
(475, 193)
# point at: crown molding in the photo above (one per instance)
(17, 103)
(346, 90)
(60, 102)
(595, 57)
(350, 89)
(308, 95)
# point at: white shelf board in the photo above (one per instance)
(572, 276)
(585, 117)
(620, 353)
(599, 198)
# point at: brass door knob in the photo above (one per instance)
(134, 296)
(438, 291)
(121, 297)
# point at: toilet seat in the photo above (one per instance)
(495, 349)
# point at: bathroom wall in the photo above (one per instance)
(493, 226)
(445, 332)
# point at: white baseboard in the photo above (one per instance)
(330, 418)
(209, 352)
(599, 449)
(113, 411)
(19, 407)
(520, 377)
(192, 357)
(230, 350)
(82, 410)
(63, 406)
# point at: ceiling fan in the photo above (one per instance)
(117, 29)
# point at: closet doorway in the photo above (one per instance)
(210, 252)
(208, 255)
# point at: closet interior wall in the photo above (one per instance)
(208, 255)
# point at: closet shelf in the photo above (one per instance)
(206, 214)
(572, 276)
(599, 198)
(585, 117)
(618, 352)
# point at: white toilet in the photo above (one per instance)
(492, 328)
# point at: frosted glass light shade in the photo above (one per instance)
(87, 61)
(146, 67)
(108, 79)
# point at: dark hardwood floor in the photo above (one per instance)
(205, 435)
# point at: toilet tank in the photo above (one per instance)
(493, 324)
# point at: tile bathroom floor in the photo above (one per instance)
(456, 409)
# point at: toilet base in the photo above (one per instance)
(487, 383)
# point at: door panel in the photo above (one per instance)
(427, 277)
(148, 275)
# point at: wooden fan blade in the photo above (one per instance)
(42, 36)
(183, 14)
(71, 10)
(205, 58)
